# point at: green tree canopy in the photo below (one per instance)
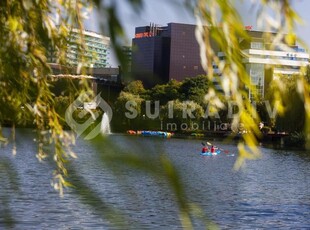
(194, 88)
(165, 93)
(135, 87)
(292, 116)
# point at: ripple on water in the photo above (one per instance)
(269, 193)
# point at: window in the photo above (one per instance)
(256, 45)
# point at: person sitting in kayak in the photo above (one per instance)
(212, 149)
(204, 149)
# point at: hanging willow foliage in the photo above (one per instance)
(29, 29)
(219, 21)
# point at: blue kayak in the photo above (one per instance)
(217, 152)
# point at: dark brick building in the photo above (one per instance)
(164, 53)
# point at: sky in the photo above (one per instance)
(162, 12)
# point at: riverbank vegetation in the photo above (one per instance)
(181, 107)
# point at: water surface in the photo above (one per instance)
(268, 193)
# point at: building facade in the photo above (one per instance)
(163, 53)
(264, 61)
(172, 52)
(95, 55)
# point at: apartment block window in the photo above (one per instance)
(257, 45)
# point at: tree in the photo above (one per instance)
(179, 116)
(292, 116)
(195, 88)
(28, 30)
(135, 87)
(127, 108)
(166, 92)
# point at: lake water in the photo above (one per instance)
(272, 192)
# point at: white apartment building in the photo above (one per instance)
(263, 63)
(96, 53)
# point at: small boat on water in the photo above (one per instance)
(156, 133)
(217, 152)
(150, 133)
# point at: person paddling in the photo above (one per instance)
(204, 149)
(212, 149)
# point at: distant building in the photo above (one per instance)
(96, 53)
(127, 53)
(103, 78)
(125, 64)
(162, 53)
(263, 63)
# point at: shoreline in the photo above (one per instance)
(276, 140)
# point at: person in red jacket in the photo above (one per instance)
(212, 149)
(204, 149)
